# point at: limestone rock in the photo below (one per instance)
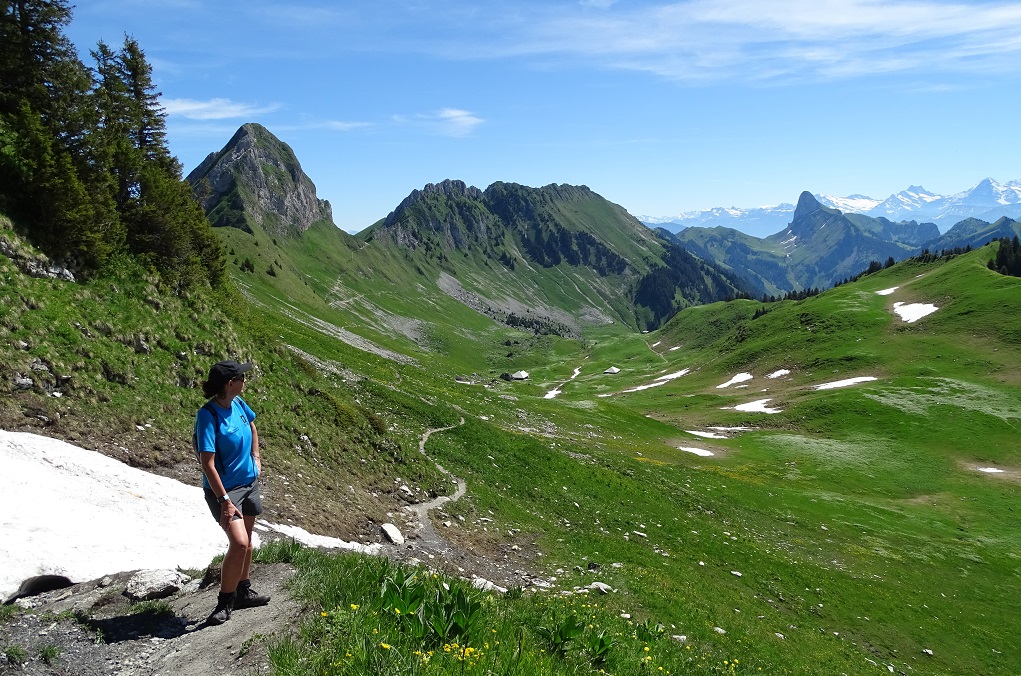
(147, 585)
(392, 533)
(257, 178)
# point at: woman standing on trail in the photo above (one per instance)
(228, 447)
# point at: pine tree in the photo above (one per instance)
(46, 119)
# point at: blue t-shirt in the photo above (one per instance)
(231, 441)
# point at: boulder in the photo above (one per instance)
(392, 533)
(147, 585)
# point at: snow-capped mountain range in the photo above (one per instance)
(987, 201)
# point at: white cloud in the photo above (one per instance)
(756, 39)
(455, 122)
(338, 125)
(446, 122)
(214, 109)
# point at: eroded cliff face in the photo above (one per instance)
(256, 179)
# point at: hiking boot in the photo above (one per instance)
(248, 597)
(224, 604)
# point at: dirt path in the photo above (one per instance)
(425, 532)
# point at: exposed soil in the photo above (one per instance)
(108, 638)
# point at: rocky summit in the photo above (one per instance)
(256, 179)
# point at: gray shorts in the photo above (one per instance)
(247, 498)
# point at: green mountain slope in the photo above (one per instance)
(820, 248)
(559, 257)
(974, 233)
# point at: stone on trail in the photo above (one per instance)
(392, 533)
(147, 585)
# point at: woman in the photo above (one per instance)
(228, 446)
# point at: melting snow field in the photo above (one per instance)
(662, 380)
(697, 451)
(758, 406)
(556, 390)
(990, 470)
(887, 292)
(69, 511)
(845, 383)
(707, 435)
(912, 312)
(777, 374)
(739, 378)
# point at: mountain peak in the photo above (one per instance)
(257, 179)
(807, 203)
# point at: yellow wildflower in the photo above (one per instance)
(354, 606)
(384, 646)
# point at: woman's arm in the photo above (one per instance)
(255, 448)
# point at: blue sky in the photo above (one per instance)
(661, 107)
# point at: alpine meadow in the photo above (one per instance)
(680, 453)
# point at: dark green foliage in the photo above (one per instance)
(85, 172)
(684, 280)
(1008, 257)
(541, 326)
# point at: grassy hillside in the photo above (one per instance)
(849, 532)
(866, 499)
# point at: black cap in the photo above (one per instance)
(223, 371)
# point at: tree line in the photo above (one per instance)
(1008, 257)
(85, 171)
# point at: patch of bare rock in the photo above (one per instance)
(95, 628)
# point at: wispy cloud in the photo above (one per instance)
(446, 122)
(339, 125)
(760, 40)
(214, 109)
(455, 122)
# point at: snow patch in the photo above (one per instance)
(739, 378)
(697, 451)
(845, 383)
(706, 435)
(887, 292)
(777, 374)
(990, 470)
(912, 312)
(92, 515)
(757, 406)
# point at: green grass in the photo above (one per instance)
(863, 532)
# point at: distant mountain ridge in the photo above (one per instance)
(820, 247)
(555, 259)
(988, 200)
(510, 245)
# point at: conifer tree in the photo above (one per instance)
(45, 126)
